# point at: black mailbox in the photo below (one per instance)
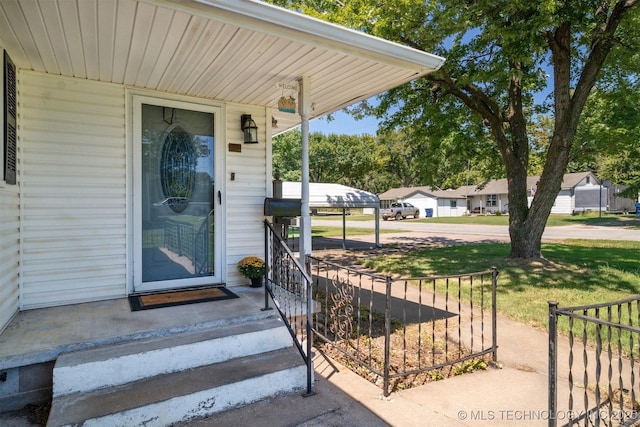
(282, 207)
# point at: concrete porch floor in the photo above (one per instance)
(38, 336)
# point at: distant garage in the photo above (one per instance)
(336, 196)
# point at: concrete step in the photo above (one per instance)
(117, 364)
(179, 397)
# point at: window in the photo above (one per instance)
(492, 200)
(453, 203)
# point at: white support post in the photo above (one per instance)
(377, 225)
(304, 109)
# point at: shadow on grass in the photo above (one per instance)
(367, 308)
(607, 221)
(586, 266)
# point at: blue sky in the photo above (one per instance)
(343, 123)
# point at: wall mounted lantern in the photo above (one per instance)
(249, 128)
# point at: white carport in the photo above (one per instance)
(336, 196)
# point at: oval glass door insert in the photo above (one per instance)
(178, 168)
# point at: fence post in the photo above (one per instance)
(387, 337)
(267, 266)
(553, 363)
(309, 332)
(494, 312)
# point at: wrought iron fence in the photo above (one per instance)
(598, 366)
(289, 287)
(405, 329)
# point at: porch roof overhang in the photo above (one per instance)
(239, 51)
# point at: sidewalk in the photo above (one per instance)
(514, 395)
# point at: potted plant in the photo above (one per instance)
(252, 267)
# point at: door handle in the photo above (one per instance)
(219, 197)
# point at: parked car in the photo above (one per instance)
(400, 210)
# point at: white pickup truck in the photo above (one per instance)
(400, 210)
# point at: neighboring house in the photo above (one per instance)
(430, 202)
(579, 192)
(492, 196)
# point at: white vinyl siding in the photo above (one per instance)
(73, 190)
(564, 203)
(423, 202)
(246, 193)
(9, 235)
(73, 180)
(446, 208)
(9, 252)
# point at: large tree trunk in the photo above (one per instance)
(527, 224)
(525, 230)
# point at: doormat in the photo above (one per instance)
(170, 299)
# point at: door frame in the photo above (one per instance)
(136, 99)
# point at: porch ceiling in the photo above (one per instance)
(227, 50)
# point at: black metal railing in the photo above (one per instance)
(399, 329)
(190, 237)
(201, 246)
(597, 385)
(289, 287)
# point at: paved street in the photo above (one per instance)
(492, 232)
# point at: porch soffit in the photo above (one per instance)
(227, 50)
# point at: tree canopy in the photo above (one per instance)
(518, 77)
(377, 163)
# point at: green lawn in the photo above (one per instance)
(574, 272)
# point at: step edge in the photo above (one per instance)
(52, 353)
(287, 361)
(135, 367)
(149, 343)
